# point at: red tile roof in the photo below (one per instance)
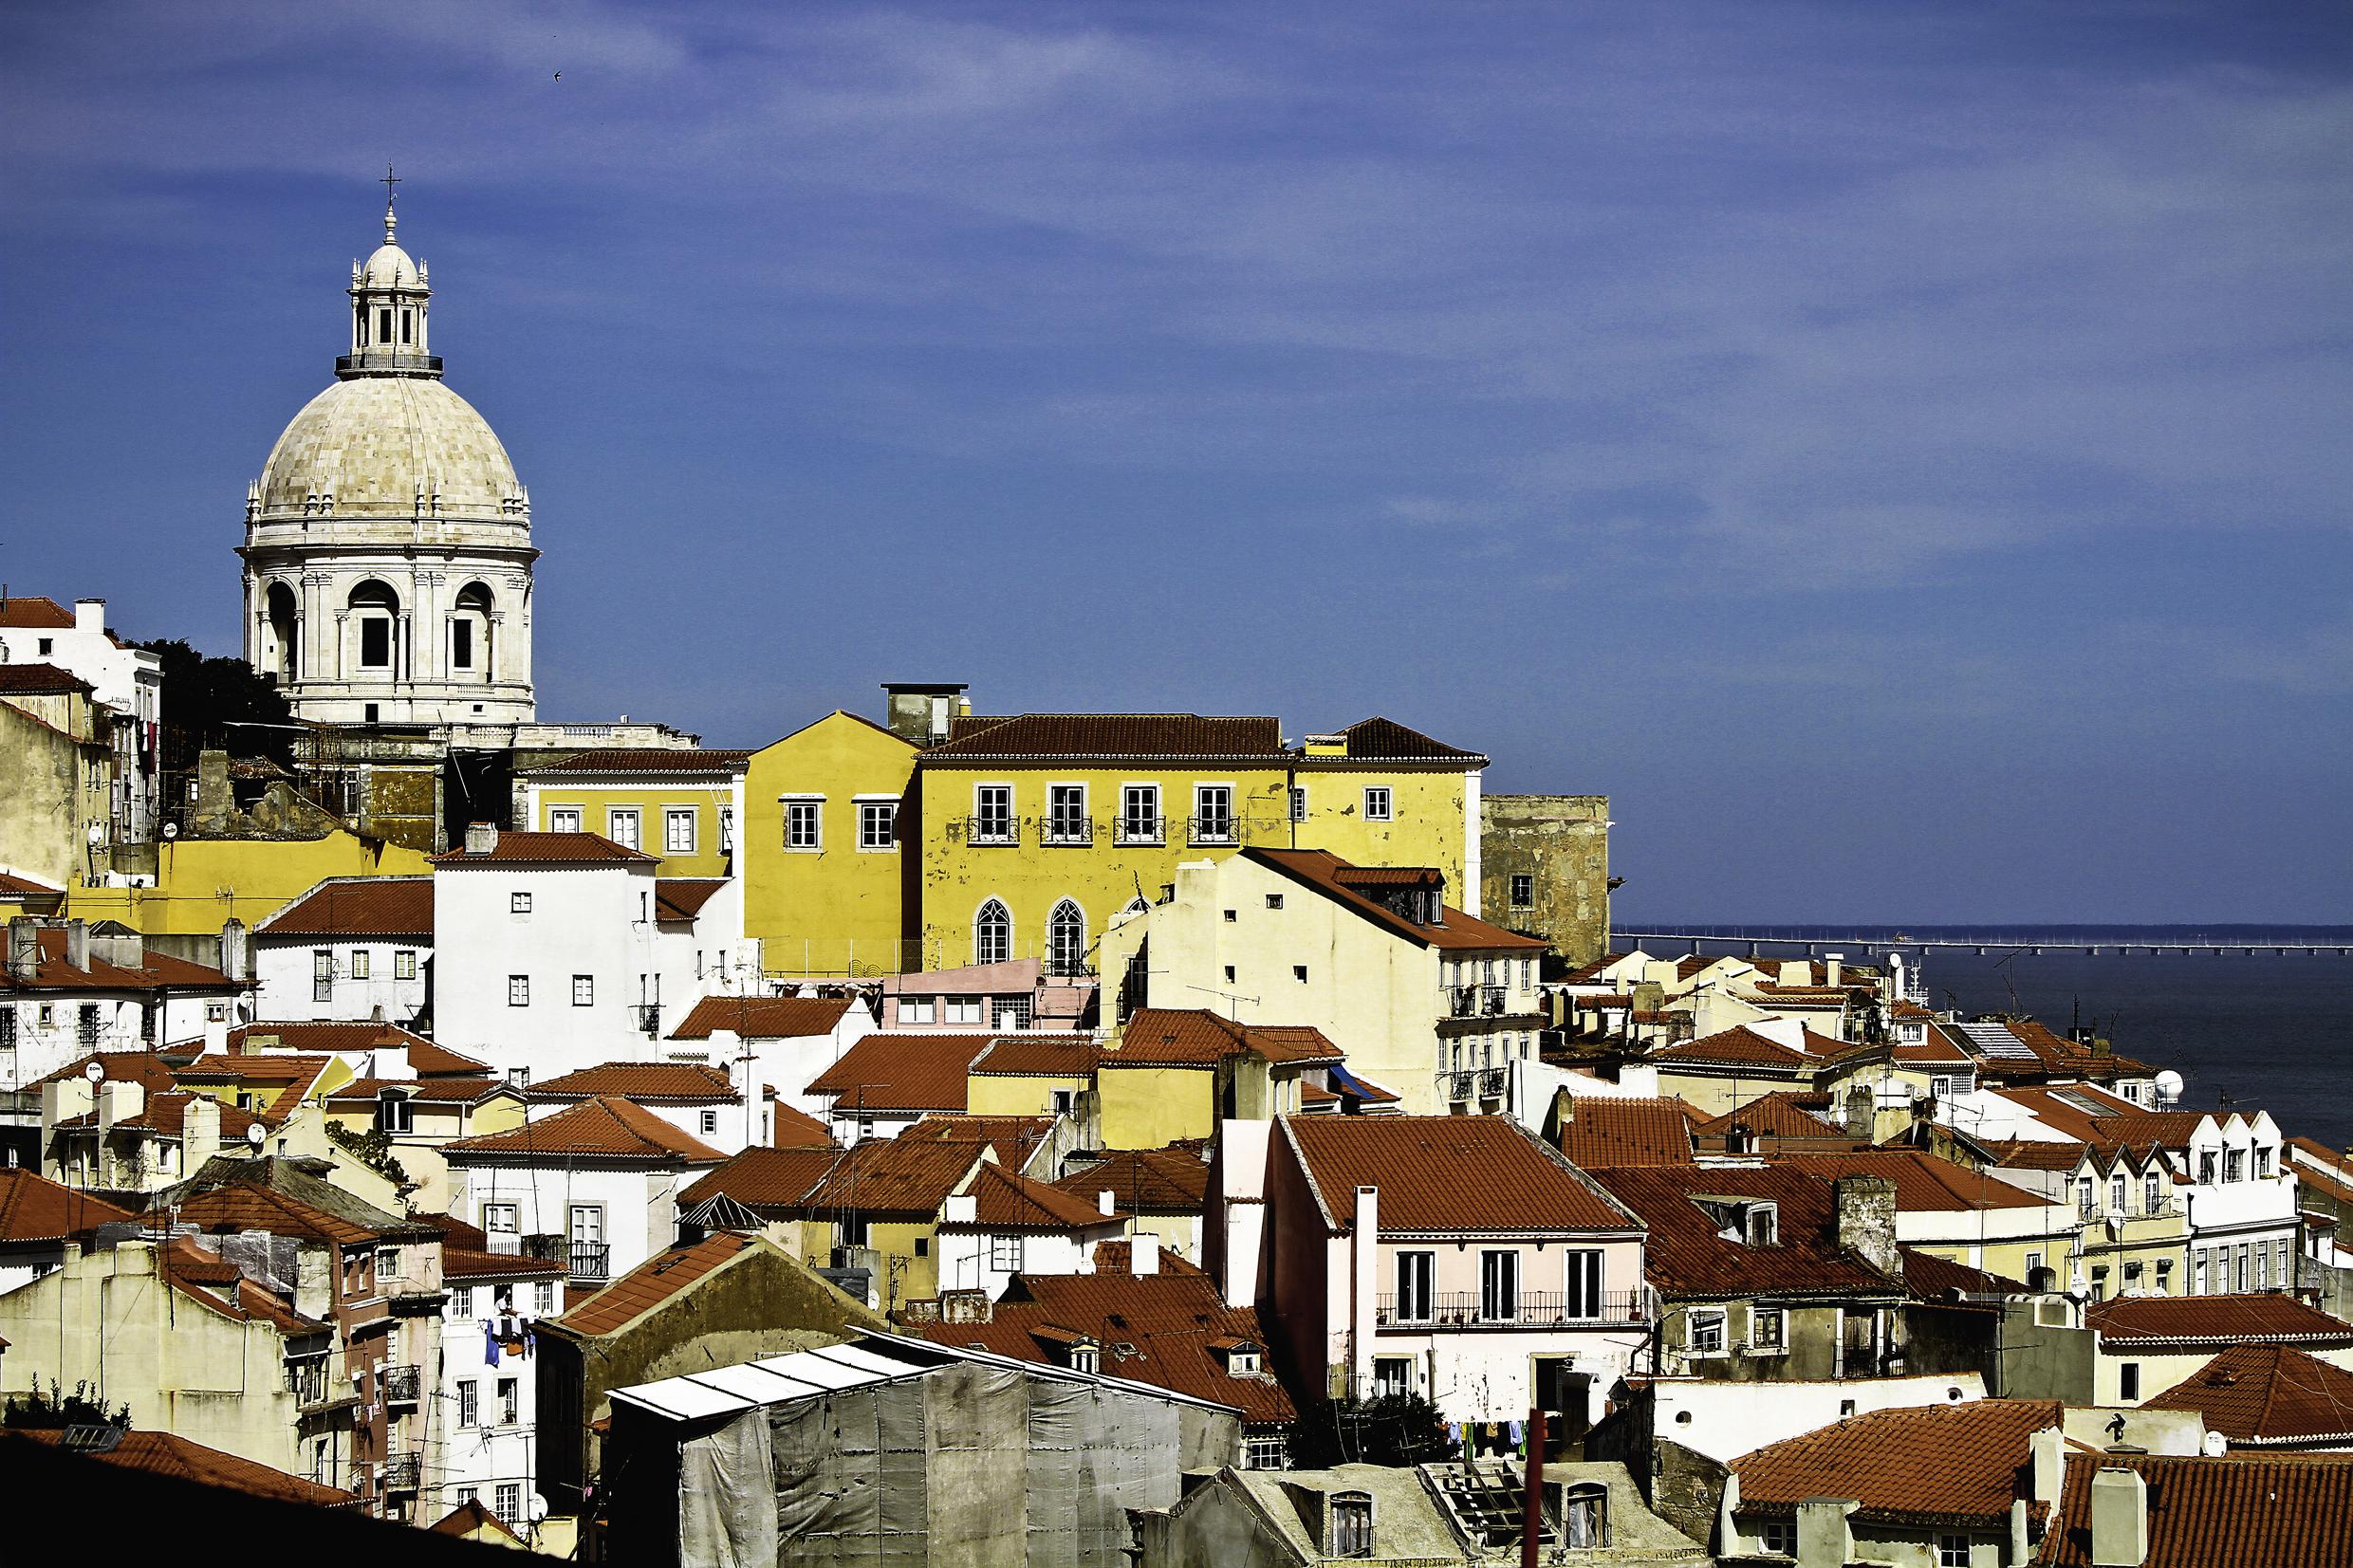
(1157, 1329)
(1454, 1175)
(654, 1281)
(1605, 1129)
(763, 1017)
(1004, 1201)
(11, 883)
(166, 1453)
(892, 1176)
(761, 1178)
(40, 678)
(516, 846)
(1014, 1138)
(250, 1205)
(1385, 738)
(1038, 1056)
(1738, 1046)
(2219, 1513)
(683, 897)
(796, 1129)
(602, 1128)
(33, 1208)
(896, 1073)
(1324, 872)
(1924, 1184)
(156, 971)
(268, 1039)
(1779, 1115)
(357, 906)
(146, 1068)
(446, 1091)
(642, 760)
(2147, 1321)
(464, 1263)
(165, 1115)
(31, 611)
(1934, 1278)
(646, 1082)
(1166, 1037)
(2267, 1393)
(1060, 737)
(1174, 1180)
(1914, 1464)
(1686, 1255)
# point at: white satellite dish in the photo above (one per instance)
(254, 1136)
(539, 1507)
(171, 830)
(95, 1072)
(2216, 1445)
(2169, 1086)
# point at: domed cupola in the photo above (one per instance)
(389, 302)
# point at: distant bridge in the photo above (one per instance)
(1868, 946)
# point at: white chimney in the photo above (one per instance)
(24, 948)
(2119, 1519)
(1365, 1278)
(1144, 1254)
(481, 838)
(90, 615)
(216, 1037)
(120, 1100)
(1830, 967)
(199, 1133)
(78, 944)
(961, 1208)
(232, 960)
(1104, 1203)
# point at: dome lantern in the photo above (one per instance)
(389, 302)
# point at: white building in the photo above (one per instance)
(69, 990)
(355, 949)
(701, 1101)
(1003, 1224)
(126, 681)
(780, 1042)
(491, 1421)
(388, 542)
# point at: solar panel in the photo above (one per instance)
(2081, 1102)
(1995, 1039)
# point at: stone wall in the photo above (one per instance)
(1561, 843)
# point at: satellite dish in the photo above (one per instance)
(171, 830)
(539, 1507)
(2169, 1086)
(254, 1136)
(97, 834)
(95, 1072)
(2216, 1445)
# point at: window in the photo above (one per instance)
(461, 1302)
(510, 1401)
(1393, 1376)
(805, 825)
(584, 990)
(2245, 1259)
(1005, 1254)
(993, 934)
(992, 814)
(1778, 1537)
(469, 1403)
(1274, 900)
(2206, 1168)
(1523, 892)
(2235, 1165)
(499, 1217)
(915, 1009)
(1299, 973)
(2116, 1194)
(1584, 1515)
(544, 1298)
(2263, 1164)
(1212, 813)
(1376, 803)
(374, 642)
(1010, 1012)
(519, 1076)
(321, 974)
(1499, 1286)
(518, 991)
(2034, 1262)
(393, 1113)
(621, 826)
(960, 1009)
(510, 1504)
(678, 831)
(1299, 804)
(518, 903)
(1768, 1329)
(359, 963)
(2084, 1203)
(1351, 1526)
(1266, 1453)
(563, 819)
(710, 1122)
(1140, 814)
(878, 824)
(1066, 940)
(1066, 815)
(1953, 1551)
(1583, 1280)
(1706, 1330)
(461, 645)
(1416, 1273)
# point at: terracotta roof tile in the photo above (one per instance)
(357, 906)
(31, 611)
(763, 1017)
(156, 971)
(248, 1206)
(146, 1068)
(683, 897)
(12, 883)
(168, 1454)
(1089, 736)
(1779, 1115)
(448, 1091)
(895, 1072)
(603, 1126)
(2267, 1393)
(1174, 1180)
(33, 1208)
(268, 1039)
(1004, 1201)
(470, 1518)
(464, 1263)
(2146, 1321)
(796, 1129)
(1913, 1465)
(516, 846)
(1014, 1138)
(1323, 871)
(165, 1115)
(1385, 738)
(1933, 1279)
(1454, 1175)
(1038, 1056)
(891, 1176)
(1924, 1184)
(40, 678)
(1165, 1036)
(1605, 1129)
(642, 760)
(2219, 1513)
(1738, 1046)
(654, 1282)
(761, 1178)
(1686, 1255)
(645, 1082)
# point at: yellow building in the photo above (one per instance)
(682, 806)
(821, 865)
(56, 774)
(203, 883)
(1034, 832)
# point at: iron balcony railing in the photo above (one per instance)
(1211, 830)
(588, 1260)
(400, 1385)
(1463, 1001)
(1523, 1309)
(1491, 1081)
(1068, 830)
(649, 1017)
(1140, 830)
(402, 1473)
(992, 830)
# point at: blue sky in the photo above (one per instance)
(1899, 451)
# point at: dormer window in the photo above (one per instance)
(393, 1113)
(1763, 1225)
(1085, 1359)
(1348, 1532)
(1242, 1357)
(1746, 1221)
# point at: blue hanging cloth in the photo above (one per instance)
(490, 1342)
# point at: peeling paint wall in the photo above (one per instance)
(1560, 843)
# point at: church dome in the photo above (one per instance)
(389, 266)
(373, 441)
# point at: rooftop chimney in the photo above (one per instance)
(481, 838)
(24, 948)
(917, 712)
(1104, 1203)
(199, 1132)
(1144, 1254)
(78, 944)
(1866, 1221)
(120, 1100)
(961, 1208)
(2119, 1519)
(1832, 966)
(232, 960)
(90, 615)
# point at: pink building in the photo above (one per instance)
(1458, 1258)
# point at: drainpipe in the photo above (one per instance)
(1532, 1511)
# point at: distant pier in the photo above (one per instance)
(1867, 947)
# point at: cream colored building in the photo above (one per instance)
(388, 542)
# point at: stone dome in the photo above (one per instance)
(389, 266)
(370, 442)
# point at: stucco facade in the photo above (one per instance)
(1544, 868)
(825, 860)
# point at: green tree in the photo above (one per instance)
(1395, 1428)
(38, 1411)
(217, 703)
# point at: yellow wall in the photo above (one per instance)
(432, 1124)
(1006, 1095)
(834, 911)
(1152, 1107)
(905, 1276)
(652, 798)
(201, 883)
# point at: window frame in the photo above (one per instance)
(993, 802)
(584, 991)
(1231, 832)
(993, 932)
(518, 991)
(672, 817)
(1410, 1291)
(1953, 1551)
(1523, 893)
(635, 816)
(1147, 825)
(1066, 823)
(563, 819)
(1348, 1525)
(1700, 1324)
(1499, 1284)
(1380, 804)
(802, 811)
(518, 902)
(874, 810)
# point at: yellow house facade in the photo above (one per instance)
(821, 862)
(681, 805)
(1032, 833)
(201, 884)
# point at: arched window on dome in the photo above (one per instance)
(1066, 940)
(374, 626)
(469, 633)
(993, 934)
(283, 622)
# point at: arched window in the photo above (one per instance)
(284, 618)
(470, 631)
(1066, 940)
(374, 611)
(993, 934)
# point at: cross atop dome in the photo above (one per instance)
(391, 196)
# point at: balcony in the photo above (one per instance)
(1211, 830)
(648, 1017)
(402, 1473)
(1143, 831)
(1460, 1085)
(1470, 1309)
(588, 1262)
(1076, 832)
(400, 1385)
(1493, 1081)
(1462, 1002)
(1492, 1001)
(991, 830)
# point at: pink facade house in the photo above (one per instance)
(1457, 1258)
